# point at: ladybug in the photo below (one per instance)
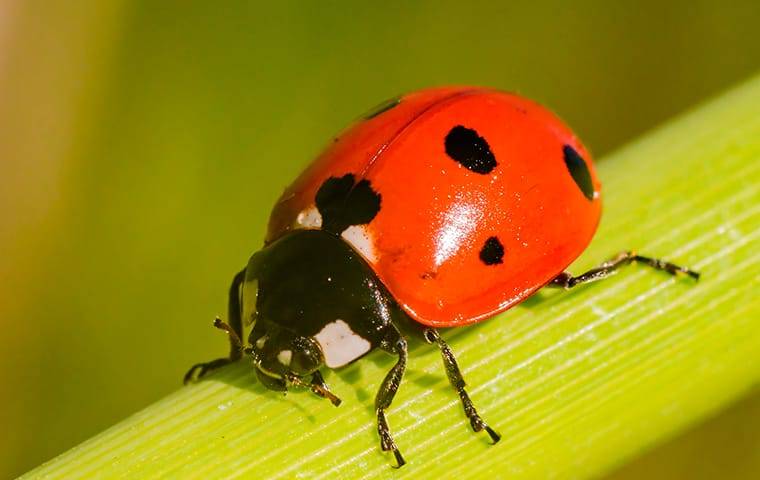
(439, 208)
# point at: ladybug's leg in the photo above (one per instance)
(234, 330)
(566, 280)
(385, 396)
(455, 377)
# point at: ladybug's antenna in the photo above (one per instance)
(317, 386)
(218, 323)
(203, 368)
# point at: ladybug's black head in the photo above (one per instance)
(282, 357)
(312, 301)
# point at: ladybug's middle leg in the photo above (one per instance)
(234, 330)
(385, 396)
(455, 377)
(566, 280)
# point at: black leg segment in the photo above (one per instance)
(234, 329)
(566, 280)
(233, 314)
(385, 396)
(456, 380)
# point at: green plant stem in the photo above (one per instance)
(576, 382)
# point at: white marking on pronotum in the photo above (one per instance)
(309, 218)
(261, 341)
(361, 239)
(340, 345)
(284, 357)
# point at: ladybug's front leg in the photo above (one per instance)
(566, 280)
(234, 330)
(385, 396)
(457, 381)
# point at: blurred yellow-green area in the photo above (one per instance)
(142, 144)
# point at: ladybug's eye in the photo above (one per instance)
(578, 169)
(306, 356)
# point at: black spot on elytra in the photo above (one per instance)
(578, 169)
(343, 203)
(382, 108)
(465, 146)
(492, 252)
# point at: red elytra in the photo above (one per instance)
(460, 235)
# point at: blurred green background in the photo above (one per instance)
(142, 144)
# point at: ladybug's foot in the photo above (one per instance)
(476, 422)
(386, 440)
(199, 370)
(457, 381)
(658, 264)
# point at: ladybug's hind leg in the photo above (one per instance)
(387, 391)
(457, 381)
(234, 329)
(566, 280)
